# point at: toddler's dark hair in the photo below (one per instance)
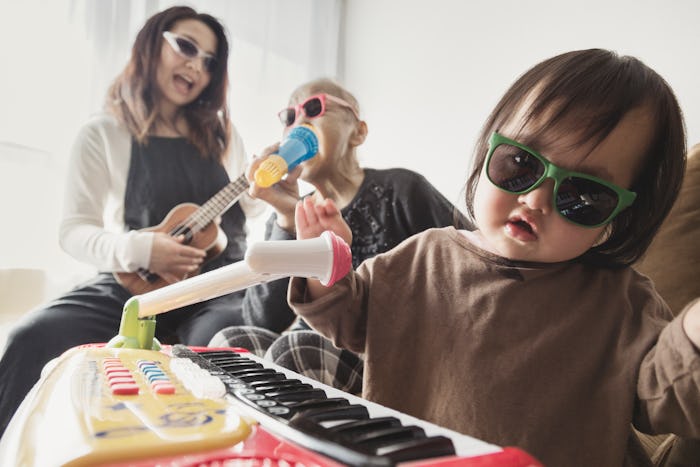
(586, 94)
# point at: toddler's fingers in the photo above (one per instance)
(300, 216)
(326, 208)
(310, 211)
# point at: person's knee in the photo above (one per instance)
(32, 335)
(254, 339)
(310, 354)
(42, 336)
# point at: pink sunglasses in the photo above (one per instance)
(313, 107)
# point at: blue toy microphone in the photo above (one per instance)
(301, 144)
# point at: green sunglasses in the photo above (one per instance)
(580, 198)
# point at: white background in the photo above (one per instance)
(426, 73)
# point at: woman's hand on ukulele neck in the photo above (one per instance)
(172, 260)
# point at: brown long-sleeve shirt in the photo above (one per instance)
(557, 359)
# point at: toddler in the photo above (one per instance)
(533, 330)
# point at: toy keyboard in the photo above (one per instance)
(181, 407)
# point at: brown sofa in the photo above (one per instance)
(674, 255)
(673, 263)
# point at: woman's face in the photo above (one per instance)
(527, 226)
(182, 79)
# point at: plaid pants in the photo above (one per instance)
(305, 352)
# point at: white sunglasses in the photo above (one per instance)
(188, 49)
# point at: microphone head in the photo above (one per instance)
(326, 258)
(300, 144)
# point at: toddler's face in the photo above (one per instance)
(527, 227)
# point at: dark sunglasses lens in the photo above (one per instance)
(513, 169)
(186, 47)
(313, 107)
(287, 116)
(585, 202)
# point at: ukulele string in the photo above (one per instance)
(206, 213)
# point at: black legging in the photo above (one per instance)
(91, 313)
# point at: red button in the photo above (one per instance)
(121, 380)
(164, 389)
(119, 374)
(125, 389)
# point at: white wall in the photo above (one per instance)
(428, 72)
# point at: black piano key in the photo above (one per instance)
(229, 359)
(348, 412)
(425, 448)
(235, 366)
(267, 385)
(362, 426)
(261, 375)
(217, 354)
(298, 395)
(319, 403)
(387, 436)
(330, 426)
(236, 372)
(272, 388)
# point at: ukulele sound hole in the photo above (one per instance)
(147, 275)
(186, 231)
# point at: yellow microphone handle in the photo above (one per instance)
(270, 171)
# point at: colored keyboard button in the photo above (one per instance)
(164, 389)
(121, 380)
(125, 389)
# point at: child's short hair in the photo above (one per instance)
(586, 94)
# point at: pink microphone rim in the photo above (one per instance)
(342, 258)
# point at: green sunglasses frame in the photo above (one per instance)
(625, 198)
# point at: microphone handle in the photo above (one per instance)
(326, 258)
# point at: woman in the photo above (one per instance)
(165, 139)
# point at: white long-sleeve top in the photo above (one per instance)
(92, 228)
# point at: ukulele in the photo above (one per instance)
(197, 225)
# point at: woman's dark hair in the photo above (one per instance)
(586, 94)
(132, 95)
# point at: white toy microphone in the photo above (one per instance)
(326, 258)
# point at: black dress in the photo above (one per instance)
(162, 174)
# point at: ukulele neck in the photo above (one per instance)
(218, 204)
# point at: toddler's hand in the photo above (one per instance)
(313, 218)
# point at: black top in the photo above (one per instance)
(390, 206)
(170, 171)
